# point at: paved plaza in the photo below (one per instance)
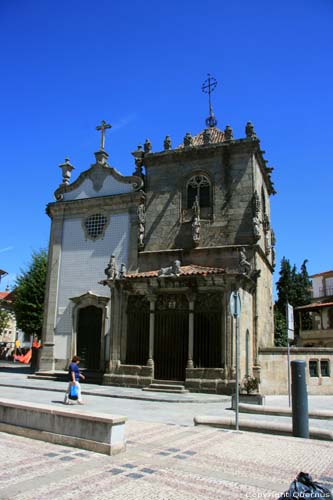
(167, 457)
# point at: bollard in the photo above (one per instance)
(299, 393)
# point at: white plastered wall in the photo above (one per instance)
(81, 268)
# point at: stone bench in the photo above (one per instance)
(70, 426)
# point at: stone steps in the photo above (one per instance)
(166, 386)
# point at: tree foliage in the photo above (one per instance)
(4, 319)
(294, 288)
(29, 295)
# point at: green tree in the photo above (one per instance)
(29, 295)
(295, 288)
(4, 319)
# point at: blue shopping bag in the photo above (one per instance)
(73, 392)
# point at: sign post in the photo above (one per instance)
(235, 309)
(290, 336)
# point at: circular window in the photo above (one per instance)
(95, 225)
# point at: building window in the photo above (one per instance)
(324, 368)
(198, 187)
(95, 226)
(313, 368)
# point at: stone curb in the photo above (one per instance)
(283, 412)
(262, 427)
(144, 397)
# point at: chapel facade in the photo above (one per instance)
(142, 267)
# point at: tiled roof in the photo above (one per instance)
(185, 271)
(3, 295)
(315, 305)
(326, 273)
(217, 136)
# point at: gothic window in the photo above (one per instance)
(198, 186)
(95, 226)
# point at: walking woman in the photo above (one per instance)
(74, 376)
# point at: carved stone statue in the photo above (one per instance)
(141, 224)
(188, 140)
(256, 204)
(196, 229)
(173, 270)
(167, 143)
(268, 245)
(244, 264)
(111, 269)
(256, 227)
(196, 207)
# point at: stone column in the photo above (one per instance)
(46, 362)
(152, 301)
(191, 300)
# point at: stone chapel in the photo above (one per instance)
(141, 267)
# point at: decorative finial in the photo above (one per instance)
(188, 140)
(249, 131)
(66, 168)
(167, 143)
(228, 133)
(138, 155)
(147, 146)
(103, 127)
(208, 87)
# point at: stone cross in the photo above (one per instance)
(102, 127)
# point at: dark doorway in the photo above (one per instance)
(171, 337)
(89, 337)
(137, 348)
(207, 349)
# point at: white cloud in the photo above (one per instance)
(123, 122)
(6, 249)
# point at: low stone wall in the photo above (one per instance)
(274, 369)
(129, 376)
(209, 380)
(91, 431)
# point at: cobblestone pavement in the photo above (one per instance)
(164, 462)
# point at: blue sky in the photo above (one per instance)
(66, 65)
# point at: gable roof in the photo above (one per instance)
(216, 137)
(325, 273)
(190, 270)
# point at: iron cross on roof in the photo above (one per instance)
(207, 88)
(103, 127)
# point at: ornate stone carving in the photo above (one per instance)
(141, 224)
(147, 146)
(167, 143)
(173, 270)
(268, 245)
(66, 168)
(228, 133)
(111, 269)
(138, 159)
(244, 264)
(256, 228)
(249, 131)
(188, 140)
(122, 272)
(256, 204)
(196, 224)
